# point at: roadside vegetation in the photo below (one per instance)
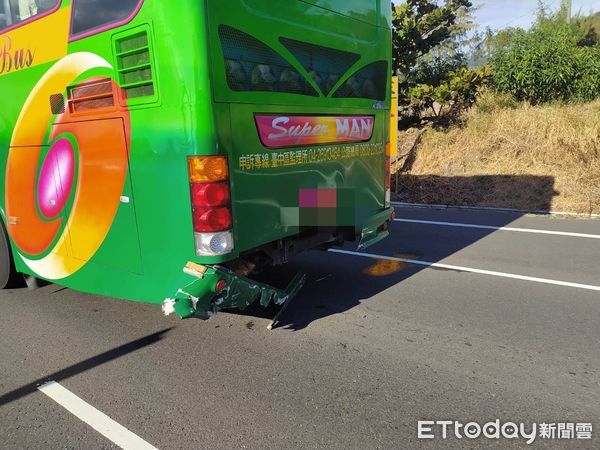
(514, 122)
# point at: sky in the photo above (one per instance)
(499, 14)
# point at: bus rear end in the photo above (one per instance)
(301, 93)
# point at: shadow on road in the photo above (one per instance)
(528, 192)
(337, 283)
(83, 366)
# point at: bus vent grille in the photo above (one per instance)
(91, 95)
(134, 65)
(370, 82)
(252, 65)
(325, 65)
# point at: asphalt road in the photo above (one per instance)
(369, 348)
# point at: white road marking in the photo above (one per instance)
(471, 270)
(504, 210)
(99, 421)
(489, 227)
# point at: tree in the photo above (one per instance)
(428, 42)
(420, 26)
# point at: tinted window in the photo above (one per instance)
(91, 14)
(370, 82)
(13, 12)
(251, 65)
(3, 16)
(325, 65)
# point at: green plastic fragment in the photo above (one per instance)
(199, 297)
(374, 230)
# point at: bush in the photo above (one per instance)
(452, 95)
(490, 101)
(548, 63)
(587, 84)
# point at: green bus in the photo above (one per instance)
(166, 152)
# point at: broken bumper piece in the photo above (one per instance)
(208, 289)
(376, 228)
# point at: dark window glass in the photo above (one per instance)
(325, 65)
(370, 82)
(91, 14)
(13, 12)
(3, 16)
(253, 66)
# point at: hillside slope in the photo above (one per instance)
(512, 156)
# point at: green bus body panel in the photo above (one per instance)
(192, 111)
(364, 10)
(259, 205)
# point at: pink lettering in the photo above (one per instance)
(293, 131)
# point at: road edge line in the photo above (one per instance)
(486, 208)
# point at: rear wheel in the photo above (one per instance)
(8, 274)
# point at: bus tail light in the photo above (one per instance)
(209, 220)
(208, 169)
(209, 195)
(211, 205)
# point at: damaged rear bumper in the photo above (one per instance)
(376, 228)
(209, 289)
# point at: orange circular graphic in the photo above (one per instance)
(64, 174)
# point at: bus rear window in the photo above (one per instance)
(251, 65)
(89, 15)
(370, 82)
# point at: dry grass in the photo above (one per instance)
(508, 155)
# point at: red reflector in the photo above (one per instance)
(209, 220)
(209, 195)
(221, 285)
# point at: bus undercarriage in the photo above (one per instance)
(207, 289)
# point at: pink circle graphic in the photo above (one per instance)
(56, 178)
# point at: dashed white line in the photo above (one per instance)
(513, 276)
(99, 421)
(490, 227)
